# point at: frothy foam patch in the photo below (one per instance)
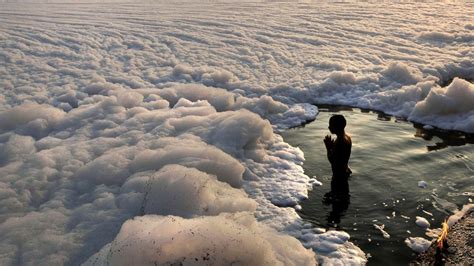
(201, 194)
(104, 154)
(190, 152)
(222, 240)
(114, 157)
(451, 107)
(418, 244)
(422, 184)
(32, 116)
(335, 243)
(422, 222)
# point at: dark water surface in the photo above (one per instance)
(389, 158)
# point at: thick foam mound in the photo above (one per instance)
(220, 240)
(186, 192)
(451, 107)
(402, 73)
(114, 157)
(219, 98)
(191, 153)
(33, 116)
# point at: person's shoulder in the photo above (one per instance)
(347, 139)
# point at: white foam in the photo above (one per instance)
(422, 184)
(381, 229)
(35, 116)
(428, 127)
(222, 240)
(130, 99)
(198, 192)
(418, 244)
(333, 247)
(104, 155)
(422, 222)
(191, 153)
(90, 115)
(451, 107)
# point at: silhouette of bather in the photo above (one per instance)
(338, 152)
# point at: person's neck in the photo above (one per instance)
(341, 134)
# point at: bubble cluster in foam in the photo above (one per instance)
(451, 107)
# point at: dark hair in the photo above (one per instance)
(338, 121)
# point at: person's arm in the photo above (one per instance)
(329, 148)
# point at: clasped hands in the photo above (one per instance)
(329, 142)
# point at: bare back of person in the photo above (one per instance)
(341, 155)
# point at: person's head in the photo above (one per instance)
(337, 123)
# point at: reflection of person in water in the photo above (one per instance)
(338, 209)
(338, 152)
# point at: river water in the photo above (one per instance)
(389, 158)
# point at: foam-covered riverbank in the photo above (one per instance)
(115, 111)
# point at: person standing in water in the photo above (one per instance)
(338, 152)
